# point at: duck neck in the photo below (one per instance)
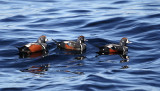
(80, 41)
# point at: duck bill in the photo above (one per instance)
(128, 41)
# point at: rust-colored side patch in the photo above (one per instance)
(69, 47)
(37, 54)
(111, 50)
(35, 48)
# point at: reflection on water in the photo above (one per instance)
(74, 72)
(80, 58)
(69, 52)
(37, 69)
(72, 65)
(33, 55)
(125, 67)
(101, 22)
(125, 57)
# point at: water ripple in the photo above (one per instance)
(107, 21)
(121, 2)
(17, 18)
(101, 23)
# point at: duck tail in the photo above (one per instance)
(55, 41)
(18, 48)
(22, 49)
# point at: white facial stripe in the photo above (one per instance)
(80, 41)
(127, 41)
(46, 39)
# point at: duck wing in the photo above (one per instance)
(66, 44)
(112, 46)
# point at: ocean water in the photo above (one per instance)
(101, 22)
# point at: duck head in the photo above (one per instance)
(81, 39)
(124, 42)
(42, 39)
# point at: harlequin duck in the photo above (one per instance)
(115, 48)
(40, 45)
(78, 45)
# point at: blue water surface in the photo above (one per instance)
(101, 22)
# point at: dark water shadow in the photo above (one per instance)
(17, 18)
(121, 2)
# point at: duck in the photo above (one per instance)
(115, 48)
(78, 45)
(39, 45)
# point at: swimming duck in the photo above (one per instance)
(40, 45)
(78, 45)
(115, 48)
